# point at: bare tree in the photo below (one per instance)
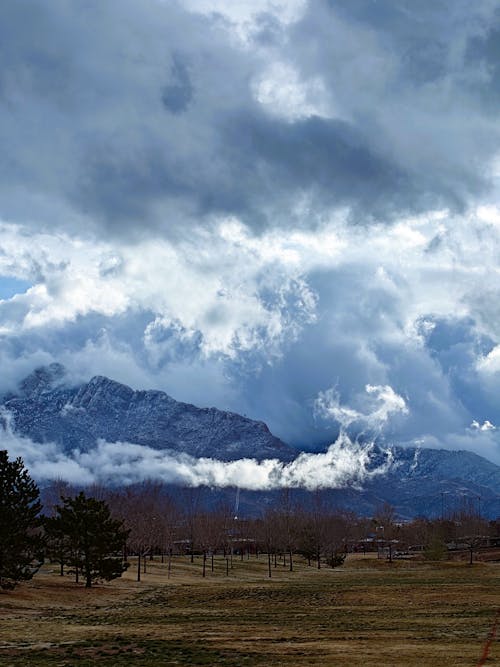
(190, 507)
(337, 527)
(140, 507)
(286, 526)
(266, 532)
(472, 531)
(168, 525)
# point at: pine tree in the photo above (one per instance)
(21, 543)
(94, 539)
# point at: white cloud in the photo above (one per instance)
(490, 363)
(210, 284)
(485, 426)
(380, 404)
(280, 91)
(242, 15)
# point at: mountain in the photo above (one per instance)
(429, 482)
(46, 409)
(437, 482)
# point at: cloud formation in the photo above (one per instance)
(382, 402)
(246, 204)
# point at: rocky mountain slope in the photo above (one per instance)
(47, 410)
(435, 482)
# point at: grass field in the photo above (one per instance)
(367, 612)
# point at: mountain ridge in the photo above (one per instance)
(48, 408)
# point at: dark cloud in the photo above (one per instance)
(118, 112)
(401, 74)
(177, 95)
(326, 158)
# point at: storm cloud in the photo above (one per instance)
(126, 116)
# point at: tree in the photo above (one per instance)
(140, 507)
(21, 543)
(336, 535)
(287, 526)
(94, 538)
(317, 522)
(191, 502)
(472, 531)
(57, 546)
(266, 532)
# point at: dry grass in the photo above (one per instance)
(366, 613)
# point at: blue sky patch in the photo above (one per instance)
(10, 286)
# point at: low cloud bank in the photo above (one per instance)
(345, 463)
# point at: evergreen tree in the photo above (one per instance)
(21, 543)
(94, 539)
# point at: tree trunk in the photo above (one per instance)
(291, 560)
(169, 563)
(212, 561)
(138, 566)
(269, 562)
(227, 566)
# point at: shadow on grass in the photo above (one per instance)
(120, 652)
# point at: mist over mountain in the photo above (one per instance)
(104, 431)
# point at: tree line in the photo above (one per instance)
(93, 534)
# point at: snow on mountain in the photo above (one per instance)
(47, 410)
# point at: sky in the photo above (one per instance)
(285, 208)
